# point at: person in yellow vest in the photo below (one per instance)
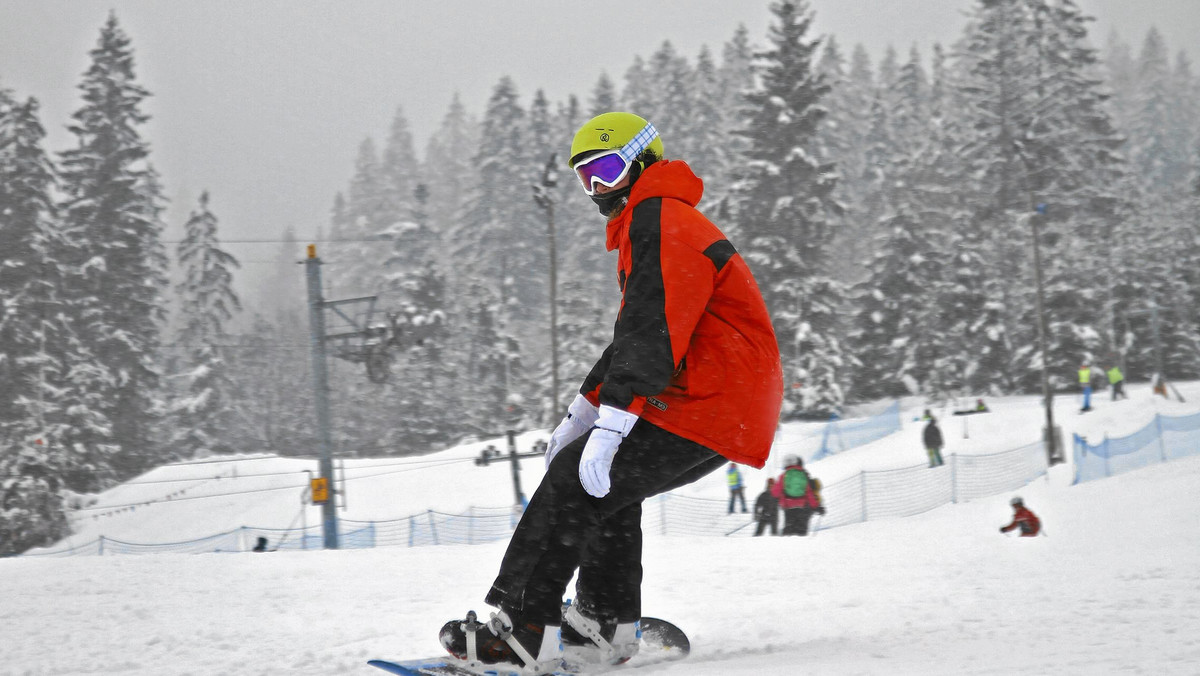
(1085, 384)
(1116, 380)
(737, 489)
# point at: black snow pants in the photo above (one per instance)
(795, 520)
(564, 529)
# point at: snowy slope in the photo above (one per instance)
(1115, 586)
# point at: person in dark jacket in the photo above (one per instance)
(766, 511)
(692, 380)
(933, 442)
(1024, 519)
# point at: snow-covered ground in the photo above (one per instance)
(1114, 587)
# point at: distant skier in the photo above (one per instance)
(1085, 385)
(932, 436)
(737, 489)
(795, 492)
(1116, 380)
(766, 511)
(1024, 519)
(691, 381)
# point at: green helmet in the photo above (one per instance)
(610, 131)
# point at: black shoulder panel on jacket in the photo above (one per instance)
(641, 362)
(720, 252)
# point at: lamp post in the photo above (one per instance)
(1053, 454)
(543, 195)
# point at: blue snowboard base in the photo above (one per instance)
(661, 642)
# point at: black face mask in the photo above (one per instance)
(611, 203)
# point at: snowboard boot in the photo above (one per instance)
(587, 640)
(535, 648)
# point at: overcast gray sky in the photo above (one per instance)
(264, 102)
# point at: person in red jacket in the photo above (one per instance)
(1024, 519)
(795, 489)
(691, 381)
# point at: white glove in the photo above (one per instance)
(612, 425)
(581, 415)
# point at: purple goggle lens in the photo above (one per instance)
(607, 169)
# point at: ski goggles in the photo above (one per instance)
(611, 167)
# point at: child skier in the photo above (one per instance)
(1024, 519)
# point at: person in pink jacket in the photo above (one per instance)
(795, 490)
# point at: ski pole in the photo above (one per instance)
(738, 528)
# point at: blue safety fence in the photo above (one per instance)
(838, 435)
(1166, 438)
(866, 496)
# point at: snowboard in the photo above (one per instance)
(661, 642)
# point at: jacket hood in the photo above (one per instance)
(671, 179)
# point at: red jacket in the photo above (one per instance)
(1026, 520)
(693, 350)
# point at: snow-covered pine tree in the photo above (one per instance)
(499, 243)
(31, 344)
(844, 135)
(273, 387)
(1040, 135)
(672, 94)
(785, 208)
(29, 273)
(585, 329)
(356, 259)
(111, 209)
(902, 349)
(707, 150)
(735, 76)
(421, 398)
(450, 175)
(1159, 135)
(499, 246)
(492, 362)
(640, 93)
(604, 96)
(1120, 72)
(910, 117)
(972, 357)
(400, 170)
(203, 405)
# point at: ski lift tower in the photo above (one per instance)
(316, 319)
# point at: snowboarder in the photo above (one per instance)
(692, 380)
(795, 492)
(1024, 519)
(766, 511)
(932, 437)
(737, 489)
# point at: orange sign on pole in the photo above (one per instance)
(320, 490)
